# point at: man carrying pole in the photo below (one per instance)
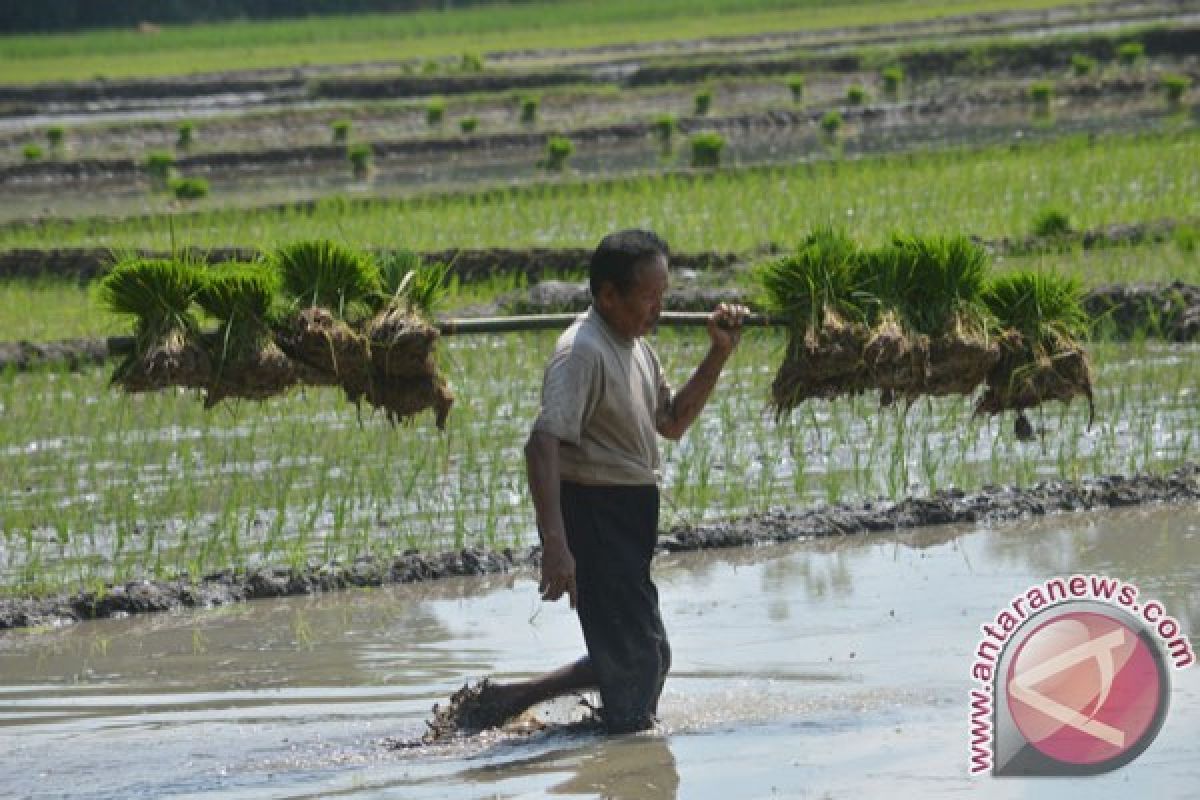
(593, 467)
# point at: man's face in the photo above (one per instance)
(635, 313)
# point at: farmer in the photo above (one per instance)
(593, 467)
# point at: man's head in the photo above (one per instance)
(628, 277)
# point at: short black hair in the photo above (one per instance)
(617, 256)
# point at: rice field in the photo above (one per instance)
(432, 35)
(992, 191)
(102, 487)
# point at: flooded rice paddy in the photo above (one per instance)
(895, 128)
(101, 486)
(829, 668)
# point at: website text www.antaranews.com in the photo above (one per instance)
(1037, 598)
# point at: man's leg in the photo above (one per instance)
(521, 695)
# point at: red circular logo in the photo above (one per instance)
(1084, 688)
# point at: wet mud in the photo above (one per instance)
(946, 507)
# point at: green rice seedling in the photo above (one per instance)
(893, 79)
(1041, 93)
(702, 102)
(158, 294)
(189, 188)
(411, 285)
(822, 275)
(359, 156)
(160, 166)
(435, 113)
(831, 122)
(55, 135)
(1082, 65)
(234, 293)
(796, 84)
(1175, 87)
(1130, 54)
(706, 149)
(322, 273)
(529, 109)
(856, 95)
(665, 126)
(1044, 307)
(468, 124)
(558, 150)
(1051, 222)
(341, 131)
(32, 152)
(185, 135)
(470, 62)
(931, 281)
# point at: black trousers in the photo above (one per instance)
(611, 531)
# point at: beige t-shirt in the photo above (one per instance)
(601, 395)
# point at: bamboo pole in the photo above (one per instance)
(120, 345)
(544, 322)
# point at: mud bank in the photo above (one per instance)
(992, 504)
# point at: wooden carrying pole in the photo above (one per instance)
(120, 345)
(544, 322)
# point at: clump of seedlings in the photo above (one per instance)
(341, 131)
(558, 150)
(706, 149)
(893, 79)
(1175, 87)
(796, 84)
(665, 126)
(919, 316)
(313, 313)
(359, 156)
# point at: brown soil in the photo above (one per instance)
(843, 358)
(176, 359)
(1023, 378)
(391, 365)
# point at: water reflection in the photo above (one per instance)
(638, 767)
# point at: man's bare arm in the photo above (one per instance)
(724, 330)
(558, 565)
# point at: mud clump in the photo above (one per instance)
(174, 359)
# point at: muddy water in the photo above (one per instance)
(829, 668)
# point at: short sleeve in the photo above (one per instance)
(568, 393)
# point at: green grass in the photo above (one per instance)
(242, 45)
(987, 192)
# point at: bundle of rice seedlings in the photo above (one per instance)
(930, 326)
(404, 374)
(1044, 360)
(322, 273)
(816, 291)
(158, 294)
(358, 325)
(247, 363)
